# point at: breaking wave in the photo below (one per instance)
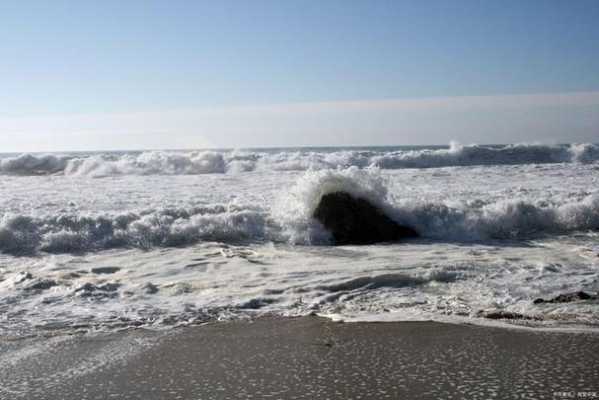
(154, 228)
(458, 155)
(28, 164)
(289, 219)
(205, 162)
(475, 219)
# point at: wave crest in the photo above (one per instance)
(506, 219)
(28, 164)
(290, 219)
(204, 162)
(21, 235)
(149, 163)
(294, 209)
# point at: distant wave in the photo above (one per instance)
(28, 164)
(458, 155)
(206, 162)
(289, 220)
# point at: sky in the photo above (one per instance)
(90, 75)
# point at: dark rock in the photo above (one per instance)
(43, 284)
(109, 287)
(508, 315)
(255, 304)
(150, 288)
(105, 270)
(355, 221)
(87, 287)
(568, 297)
(70, 275)
(104, 290)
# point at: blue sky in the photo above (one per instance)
(64, 59)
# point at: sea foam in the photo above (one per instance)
(288, 219)
(237, 161)
(228, 235)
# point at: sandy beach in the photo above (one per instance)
(304, 358)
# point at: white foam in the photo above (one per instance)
(192, 247)
(295, 207)
(28, 164)
(289, 218)
(505, 219)
(159, 228)
(204, 162)
(149, 163)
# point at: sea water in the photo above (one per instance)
(103, 241)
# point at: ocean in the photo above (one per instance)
(107, 241)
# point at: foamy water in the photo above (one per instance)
(205, 162)
(105, 241)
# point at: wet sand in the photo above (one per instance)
(304, 358)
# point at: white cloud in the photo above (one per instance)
(562, 117)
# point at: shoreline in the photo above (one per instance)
(305, 357)
(518, 324)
